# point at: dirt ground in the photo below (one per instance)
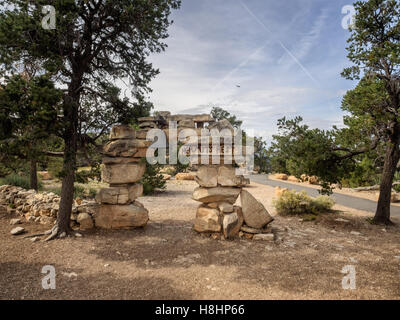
(168, 260)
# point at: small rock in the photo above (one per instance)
(15, 221)
(35, 239)
(355, 233)
(264, 237)
(342, 220)
(106, 265)
(78, 235)
(250, 230)
(397, 257)
(17, 231)
(70, 275)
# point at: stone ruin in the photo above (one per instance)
(124, 165)
(218, 191)
(219, 186)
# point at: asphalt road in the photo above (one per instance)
(344, 200)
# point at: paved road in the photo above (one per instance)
(344, 200)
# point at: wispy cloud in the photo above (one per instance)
(212, 51)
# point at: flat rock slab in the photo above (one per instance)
(264, 237)
(121, 216)
(120, 195)
(218, 194)
(122, 132)
(123, 173)
(254, 213)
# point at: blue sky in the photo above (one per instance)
(286, 56)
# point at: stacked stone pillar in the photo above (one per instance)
(124, 164)
(218, 191)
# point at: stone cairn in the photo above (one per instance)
(123, 166)
(219, 188)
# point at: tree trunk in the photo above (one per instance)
(33, 181)
(71, 107)
(67, 189)
(382, 215)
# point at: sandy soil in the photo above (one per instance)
(167, 260)
(370, 195)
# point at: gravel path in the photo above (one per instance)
(342, 199)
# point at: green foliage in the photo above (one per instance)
(79, 191)
(55, 166)
(152, 179)
(55, 190)
(219, 114)
(374, 40)
(297, 150)
(94, 44)
(18, 181)
(28, 114)
(364, 174)
(292, 202)
(83, 176)
(261, 157)
(92, 192)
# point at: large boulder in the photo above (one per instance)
(254, 213)
(218, 194)
(123, 173)
(125, 148)
(120, 195)
(207, 220)
(281, 176)
(207, 176)
(121, 217)
(313, 180)
(293, 179)
(232, 223)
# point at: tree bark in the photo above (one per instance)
(71, 108)
(33, 180)
(392, 156)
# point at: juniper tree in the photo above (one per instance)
(94, 43)
(28, 114)
(374, 50)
